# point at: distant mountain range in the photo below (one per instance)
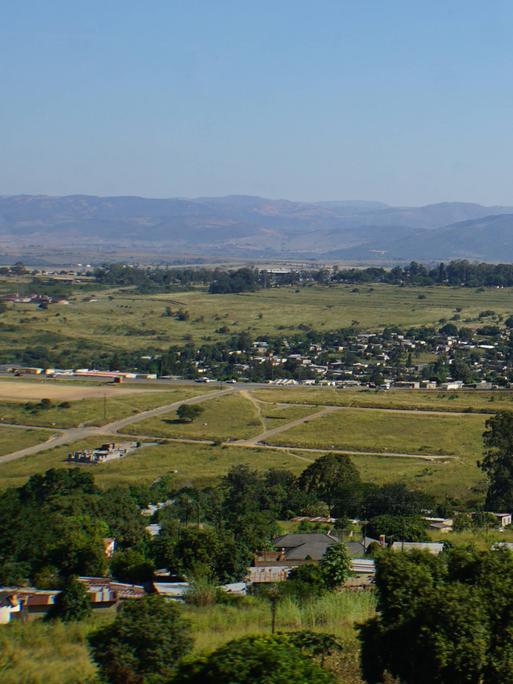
(254, 227)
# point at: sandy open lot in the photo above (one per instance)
(29, 391)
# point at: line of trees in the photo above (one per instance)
(458, 272)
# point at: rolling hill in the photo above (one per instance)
(256, 227)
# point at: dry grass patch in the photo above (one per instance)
(95, 411)
(13, 439)
(194, 464)
(389, 431)
(223, 418)
(50, 389)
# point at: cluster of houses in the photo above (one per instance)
(289, 551)
(40, 300)
(115, 376)
(383, 359)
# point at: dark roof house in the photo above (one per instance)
(302, 547)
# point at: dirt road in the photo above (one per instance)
(75, 434)
(258, 439)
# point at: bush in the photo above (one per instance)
(272, 659)
(203, 592)
(143, 644)
(72, 604)
(304, 582)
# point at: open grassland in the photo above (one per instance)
(223, 418)
(382, 431)
(198, 464)
(248, 413)
(455, 479)
(422, 400)
(127, 321)
(95, 411)
(204, 465)
(481, 538)
(277, 415)
(43, 653)
(13, 439)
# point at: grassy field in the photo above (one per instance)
(382, 431)
(205, 465)
(41, 653)
(197, 464)
(456, 479)
(276, 415)
(13, 439)
(130, 321)
(432, 400)
(95, 411)
(249, 412)
(224, 418)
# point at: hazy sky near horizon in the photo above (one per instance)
(403, 101)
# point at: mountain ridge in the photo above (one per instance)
(251, 226)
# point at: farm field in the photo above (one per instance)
(123, 320)
(91, 411)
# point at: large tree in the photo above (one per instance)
(334, 479)
(497, 462)
(188, 412)
(398, 528)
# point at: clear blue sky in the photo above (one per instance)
(404, 101)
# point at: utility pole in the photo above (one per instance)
(273, 596)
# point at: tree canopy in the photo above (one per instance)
(497, 462)
(442, 620)
(334, 479)
(144, 643)
(277, 659)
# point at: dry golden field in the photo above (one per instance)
(35, 391)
